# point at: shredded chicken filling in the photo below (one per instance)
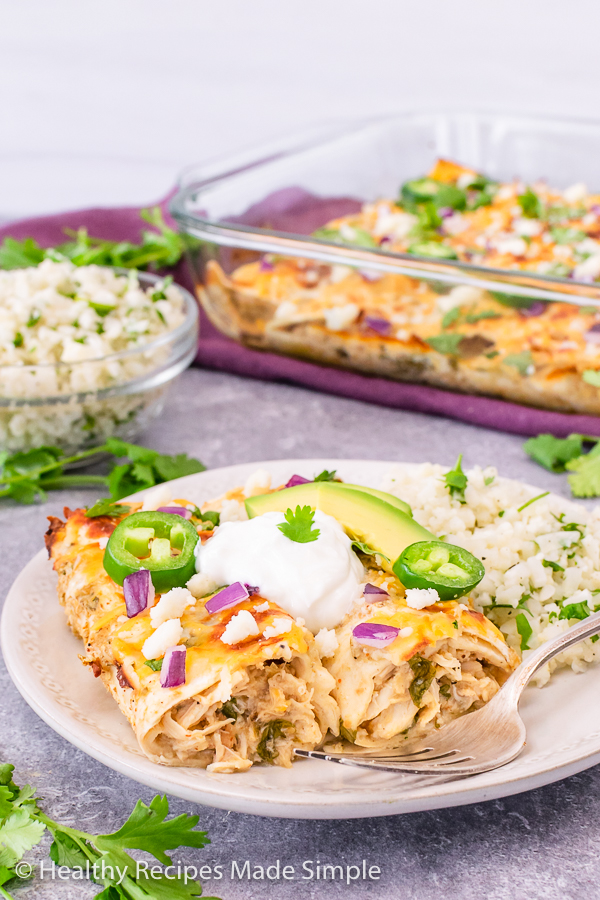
(271, 712)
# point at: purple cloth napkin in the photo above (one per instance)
(218, 352)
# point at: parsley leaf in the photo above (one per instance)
(585, 482)
(456, 481)
(106, 507)
(299, 525)
(554, 453)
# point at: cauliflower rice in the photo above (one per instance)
(517, 549)
(61, 327)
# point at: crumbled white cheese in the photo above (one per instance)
(465, 180)
(233, 511)
(461, 295)
(327, 642)
(160, 496)
(339, 273)
(279, 625)
(166, 635)
(171, 605)
(406, 632)
(396, 225)
(575, 192)
(527, 227)
(200, 585)
(419, 598)
(339, 317)
(402, 335)
(102, 542)
(263, 607)
(455, 224)
(258, 483)
(516, 246)
(239, 627)
(285, 310)
(347, 232)
(588, 269)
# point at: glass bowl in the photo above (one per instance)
(38, 403)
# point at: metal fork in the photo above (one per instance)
(485, 739)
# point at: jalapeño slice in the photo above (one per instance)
(161, 542)
(452, 571)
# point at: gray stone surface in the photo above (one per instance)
(541, 844)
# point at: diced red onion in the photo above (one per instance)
(595, 209)
(445, 212)
(295, 480)
(373, 589)
(266, 266)
(172, 674)
(370, 275)
(252, 589)
(176, 511)
(375, 635)
(138, 591)
(593, 335)
(229, 596)
(385, 240)
(536, 309)
(381, 326)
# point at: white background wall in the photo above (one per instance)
(104, 102)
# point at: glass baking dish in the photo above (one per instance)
(257, 210)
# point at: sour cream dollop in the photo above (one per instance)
(319, 581)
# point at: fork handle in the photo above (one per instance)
(518, 680)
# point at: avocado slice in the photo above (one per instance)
(365, 517)
(382, 495)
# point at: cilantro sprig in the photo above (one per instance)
(298, 525)
(456, 481)
(27, 477)
(23, 824)
(158, 248)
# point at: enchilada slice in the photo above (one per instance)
(402, 671)
(253, 685)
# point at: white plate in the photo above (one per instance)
(563, 720)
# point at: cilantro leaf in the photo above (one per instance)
(591, 376)
(209, 516)
(326, 476)
(154, 664)
(147, 828)
(106, 507)
(451, 317)
(445, 343)
(575, 611)
(20, 254)
(554, 453)
(585, 482)
(521, 361)
(65, 851)
(456, 481)
(145, 468)
(552, 565)
(169, 467)
(524, 629)
(19, 832)
(531, 204)
(353, 236)
(299, 525)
